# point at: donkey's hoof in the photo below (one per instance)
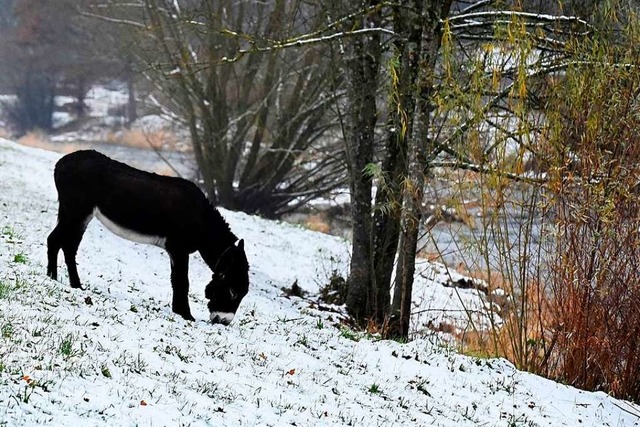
(188, 317)
(185, 314)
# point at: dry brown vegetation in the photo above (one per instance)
(317, 223)
(37, 139)
(576, 319)
(136, 138)
(596, 274)
(522, 337)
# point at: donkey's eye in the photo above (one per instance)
(233, 294)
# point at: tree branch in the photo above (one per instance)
(490, 171)
(297, 42)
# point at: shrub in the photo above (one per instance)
(596, 270)
(570, 256)
(334, 292)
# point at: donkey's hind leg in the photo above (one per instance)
(74, 234)
(54, 243)
(67, 235)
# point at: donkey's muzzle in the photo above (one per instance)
(221, 317)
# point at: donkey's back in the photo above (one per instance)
(126, 199)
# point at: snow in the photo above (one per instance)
(115, 354)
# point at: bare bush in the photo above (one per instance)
(259, 114)
(596, 271)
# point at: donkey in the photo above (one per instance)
(143, 207)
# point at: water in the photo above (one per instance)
(512, 240)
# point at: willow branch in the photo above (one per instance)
(485, 170)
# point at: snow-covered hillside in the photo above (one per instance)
(116, 355)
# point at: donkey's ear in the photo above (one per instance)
(240, 244)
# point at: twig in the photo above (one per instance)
(635, 412)
(489, 171)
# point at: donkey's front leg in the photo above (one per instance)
(180, 284)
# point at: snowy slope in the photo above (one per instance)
(116, 355)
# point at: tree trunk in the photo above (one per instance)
(81, 89)
(132, 112)
(386, 221)
(363, 63)
(419, 147)
(410, 225)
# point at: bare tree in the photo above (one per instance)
(258, 116)
(360, 59)
(428, 17)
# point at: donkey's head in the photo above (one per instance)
(229, 284)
